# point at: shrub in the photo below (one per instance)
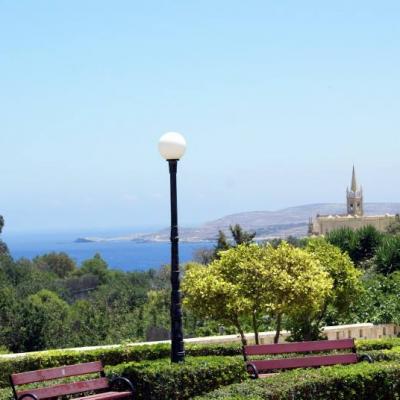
(159, 379)
(109, 356)
(356, 382)
(162, 380)
(377, 344)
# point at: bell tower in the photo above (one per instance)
(355, 199)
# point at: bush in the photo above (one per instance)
(377, 344)
(109, 356)
(162, 380)
(355, 382)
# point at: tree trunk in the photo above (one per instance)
(278, 327)
(255, 328)
(239, 328)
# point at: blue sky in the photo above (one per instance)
(277, 100)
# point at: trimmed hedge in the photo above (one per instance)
(161, 380)
(122, 354)
(377, 344)
(352, 382)
(110, 356)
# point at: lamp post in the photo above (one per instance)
(172, 146)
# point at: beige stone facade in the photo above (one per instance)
(325, 224)
(354, 219)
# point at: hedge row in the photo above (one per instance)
(122, 354)
(109, 356)
(361, 381)
(161, 380)
(377, 344)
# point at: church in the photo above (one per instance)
(354, 218)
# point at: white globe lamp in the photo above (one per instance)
(172, 146)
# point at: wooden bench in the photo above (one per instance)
(256, 367)
(103, 388)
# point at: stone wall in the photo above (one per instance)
(324, 224)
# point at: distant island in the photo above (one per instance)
(292, 221)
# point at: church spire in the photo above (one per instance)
(353, 181)
(355, 199)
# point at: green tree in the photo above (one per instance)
(42, 322)
(360, 244)
(346, 289)
(208, 295)
(3, 246)
(87, 324)
(250, 281)
(58, 263)
(156, 314)
(240, 236)
(297, 282)
(367, 240)
(387, 257)
(379, 301)
(95, 266)
(222, 244)
(344, 238)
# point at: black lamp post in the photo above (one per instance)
(172, 146)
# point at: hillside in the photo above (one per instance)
(267, 224)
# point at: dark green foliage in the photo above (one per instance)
(387, 258)
(161, 380)
(361, 244)
(3, 246)
(366, 242)
(95, 266)
(41, 322)
(361, 381)
(292, 240)
(379, 302)
(240, 236)
(58, 263)
(303, 327)
(343, 238)
(109, 356)
(222, 243)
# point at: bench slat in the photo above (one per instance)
(106, 396)
(67, 388)
(304, 362)
(296, 347)
(56, 373)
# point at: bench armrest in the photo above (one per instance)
(252, 370)
(27, 396)
(365, 357)
(120, 380)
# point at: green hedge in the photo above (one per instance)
(121, 354)
(362, 381)
(377, 344)
(110, 356)
(161, 380)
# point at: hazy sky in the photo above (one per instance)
(277, 100)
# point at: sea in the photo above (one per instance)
(122, 255)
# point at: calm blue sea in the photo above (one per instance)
(127, 256)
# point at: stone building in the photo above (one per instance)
(354, 218)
